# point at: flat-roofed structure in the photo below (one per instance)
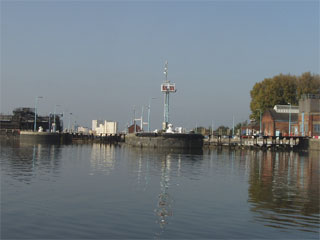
(103, 128)
(286, 109)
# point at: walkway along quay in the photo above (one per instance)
(265, 142)
(33, 137)
(167, 140)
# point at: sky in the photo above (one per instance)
(102, 59)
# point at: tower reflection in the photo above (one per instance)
(162, 170)
(164, 207)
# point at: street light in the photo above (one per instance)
(54, 116)
(260, 121)
(35, 113)
(149, 109)
(49, 121)
(289, 119)
(232, 125)
(69, 122)
(134, 119)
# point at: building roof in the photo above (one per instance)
(286, 108)
(284, 117)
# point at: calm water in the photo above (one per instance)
(101, 191)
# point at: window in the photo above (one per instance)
(301, 129)
(316, 128)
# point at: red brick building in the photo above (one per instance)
(305, 122)
(131, 129)
(309, 115)
(277, 124)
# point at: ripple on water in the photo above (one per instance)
(95, 192)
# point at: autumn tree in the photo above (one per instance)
(281, 89)
(308, 83)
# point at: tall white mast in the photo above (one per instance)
(166, 88)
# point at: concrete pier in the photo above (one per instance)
(42, 137)
(165, 140)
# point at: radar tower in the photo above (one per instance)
(167, 87)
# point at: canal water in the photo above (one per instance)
(93, 191)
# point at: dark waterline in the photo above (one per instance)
(106, 191)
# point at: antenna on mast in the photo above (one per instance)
(166, 70)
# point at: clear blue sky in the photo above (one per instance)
(98, 59)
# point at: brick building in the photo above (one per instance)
(305, 122)
(134, 128)
(277, 124)
(309, 115)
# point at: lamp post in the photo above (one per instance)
(233, 126)
(141, 119)
(69, 122)
(289, 119)
(49, 121)
(35, 113)
(212, 128)
(149, 109)
(54, 116)
(134, 119)
(260, 118)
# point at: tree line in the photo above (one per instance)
(221, 130)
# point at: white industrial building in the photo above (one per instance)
(104, 127)
(83, 130)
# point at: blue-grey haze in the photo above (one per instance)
(98, 59)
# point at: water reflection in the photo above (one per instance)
(149, 162)
(284, 189)
(164, 208)
(170, 166)
(139, 193)
(23, 160)
(102, 158)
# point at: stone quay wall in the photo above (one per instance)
(40, 137)
(165, 140)
(314, 144)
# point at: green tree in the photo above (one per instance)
(281, 89)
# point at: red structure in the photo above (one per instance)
(305, 123)
(132, 127)
(277, 124)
